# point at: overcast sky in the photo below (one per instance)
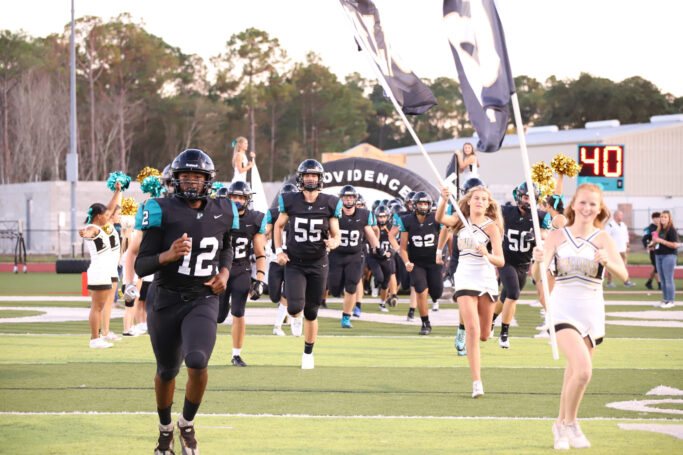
(615, 39)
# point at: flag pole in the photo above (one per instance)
(390, 94)
(534, 217)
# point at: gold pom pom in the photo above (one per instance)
(564, 165)
(128, 206)
(547, 189)
(146, 172)
(541, 174)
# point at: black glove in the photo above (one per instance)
(379, 252)
(530, 237)
(257, 288)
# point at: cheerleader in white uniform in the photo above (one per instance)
(580, 254)
(114, 256)
(239, 159)
(100, 270)
(476, 287)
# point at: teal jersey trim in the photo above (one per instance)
(547, 221)
(449, 209)
(338, 210)
(399, 223)
(281, 204)
(235, 216)
(371, 220)
(150, 216)
(268, 219)
(264, 222)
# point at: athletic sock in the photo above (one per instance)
(308, 348)
(236, 351)
(425, 320)
(281, 315)
(165, 415)
(346, 314)
(461, 327)
(357, 304)
(495, 316)
(190, 410)
(504, 330)
(411, 312)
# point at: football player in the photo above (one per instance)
(186, 245)
(314, 230)
(381, 262)
(251, 235)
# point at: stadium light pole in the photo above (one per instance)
(72, 156)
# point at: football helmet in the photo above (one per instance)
(471, 183)
(348, 190)
(221, 192)
(167, 181)
(309, 166)
(288, 188)
(421, 197)
(192, 160)
(239, 188)
(382, 210)
(523, 190)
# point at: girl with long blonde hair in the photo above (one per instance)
(239, 159)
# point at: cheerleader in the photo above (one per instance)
(580, 253)
(100, 269)
(476, 286)
(240, 162)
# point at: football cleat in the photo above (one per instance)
(503, 341)
(393, 301)
(297, 326)
(356, 312)
(460, 338)
(238, 362)
(187, 440)
(307, 362)
(383, 308)
(278, 331)
(165, 442)
(346, 322)
(435, 306)
(426, 328)
(477, 389)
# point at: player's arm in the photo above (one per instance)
(373, 240)
(335, 236)
(278, 228)
(403, 251)
(443, 238)
(260, 253)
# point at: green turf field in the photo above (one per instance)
(378, 388)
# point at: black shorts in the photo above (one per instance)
(306, 285)
(276, 282)
(381, 269)
(234, 299)
(345, 273)
(513, 278)
(143, 290)
(181, 328)
(427, 276)
(564, 325)
(472, 293)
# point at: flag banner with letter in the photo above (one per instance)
(477, 41)
(411, 93)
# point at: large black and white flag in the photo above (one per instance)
(410, 92)
(478, 44)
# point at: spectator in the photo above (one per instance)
(647, 243)
(618, 230)
(467, 165)
(666, 252)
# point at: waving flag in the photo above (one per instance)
(478, 44)
(411, 93)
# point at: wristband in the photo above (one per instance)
(258, 257)
(278, 250)
(261, 271)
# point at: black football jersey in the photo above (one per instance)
(352, 230)
(251, 222)
(309, 223)
(271, 218)
(422, 237)
(518, 237)
(208, 228)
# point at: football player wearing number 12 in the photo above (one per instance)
(346, 262)
(313, 231)
(186, 244)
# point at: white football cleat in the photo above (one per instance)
(278, 331)
(297, 326)
(307, 362)
(477, 389)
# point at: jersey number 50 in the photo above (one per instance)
(518, 244)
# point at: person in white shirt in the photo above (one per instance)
(618, 230)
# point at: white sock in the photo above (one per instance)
(168, 427)
(236, 351)
(281, 315)
(182, 422)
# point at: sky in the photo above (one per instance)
(615, 39)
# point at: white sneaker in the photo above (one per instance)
(307, 362)
(278, 331)
(435, 306)
(658, 304)
(477, 389)
(666, 305)
(99, 343)
(297, 326)
(140, 328)
(543, 334)
(383, 308)
(111, 336)
(560, 435)
(576, 437)
(143, 326)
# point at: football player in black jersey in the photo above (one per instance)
(276, 272)
(346, 261)
(381, 262)
(422, 239)
(314, 230)
(518, 243)
(365, 251)
(251, 235)
(186, 244)
(401, 276)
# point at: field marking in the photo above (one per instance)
(665, 390)
(647, 405)
(671, 430)
(327, 416)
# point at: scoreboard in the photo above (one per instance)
(603, 165)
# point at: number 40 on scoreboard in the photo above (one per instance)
(603, 165)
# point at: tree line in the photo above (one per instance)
(140, 101)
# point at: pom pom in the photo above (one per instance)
(564, 165)
(215, 187)
(152, 186)
(541, 174)
(128, 206)
(547, 189)
(118, 177)
(146, 172)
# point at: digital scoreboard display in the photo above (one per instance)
(603, 165)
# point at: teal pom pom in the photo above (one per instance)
(118, 177)
(89, 216)
(152, 186)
